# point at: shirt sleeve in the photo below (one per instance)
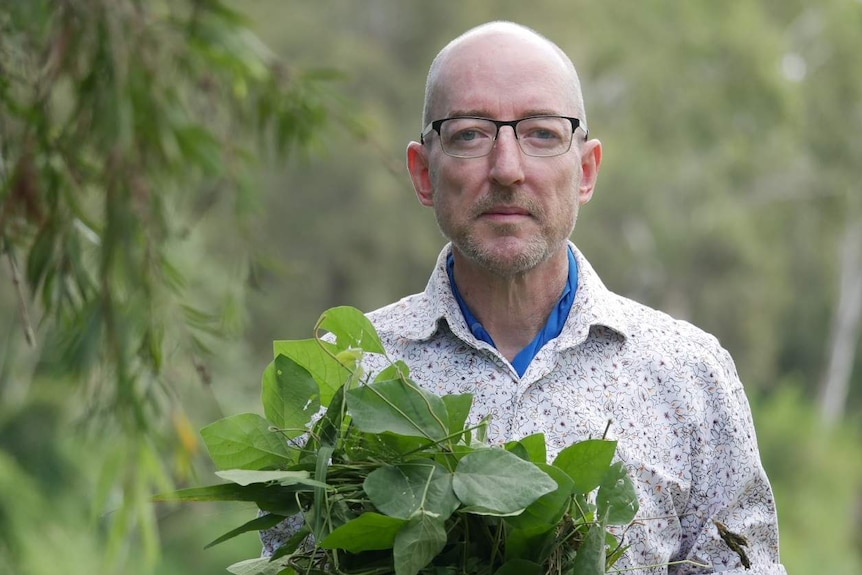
(729, 485)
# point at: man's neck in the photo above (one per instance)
(513, 310)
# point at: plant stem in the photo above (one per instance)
(683, 562)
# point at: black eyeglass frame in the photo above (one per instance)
(435, 127)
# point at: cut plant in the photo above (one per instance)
(388, 478)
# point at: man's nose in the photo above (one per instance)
(507, 158)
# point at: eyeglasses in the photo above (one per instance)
(470, 137)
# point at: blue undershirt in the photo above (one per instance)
(552, 328)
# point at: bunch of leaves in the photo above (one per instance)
(386, 477)
(122, 124)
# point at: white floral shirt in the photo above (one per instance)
(670, 391)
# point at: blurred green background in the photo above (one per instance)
(184, 182)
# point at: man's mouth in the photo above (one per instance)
(505, 213)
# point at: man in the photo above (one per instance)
(515, 315)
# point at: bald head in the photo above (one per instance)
(492, 41)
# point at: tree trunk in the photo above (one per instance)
(846, 322)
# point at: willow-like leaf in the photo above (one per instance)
(284, 478)
(273, 498)
(256, 524)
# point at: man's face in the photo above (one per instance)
(505, 212)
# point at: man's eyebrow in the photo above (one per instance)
(475, 112)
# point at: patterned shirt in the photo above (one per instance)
(670, 391)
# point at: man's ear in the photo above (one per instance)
(417, 165)
(591, 160)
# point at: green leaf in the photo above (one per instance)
(497, 480)
(368, 532)
(481, 510)
(533, 446)
(40, 260)
(617, 497)
(417, 543)
(399, 406)
(583, 507)
(520, 567)
(257, 524)
(396, 370)
(245, 441)
(458, 407)
(199, 147)
(351, 329)
(587, 462)
(221, 492)
(284, 478)
(533, 545)
(547, 510)
(615, 549)
(392, 444)
(401, 490)
(517, 449)
(273, 498)
(318, 357)
(327, 430)
(590, 559)
(290, 395)
(259, 566)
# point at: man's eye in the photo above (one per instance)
(467, 135)
(542, 134)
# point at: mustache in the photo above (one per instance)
(508, 197)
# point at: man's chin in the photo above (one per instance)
(505, 258)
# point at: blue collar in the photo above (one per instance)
(552, 328)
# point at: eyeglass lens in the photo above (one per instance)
(474, 137)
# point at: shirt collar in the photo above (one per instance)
(594, 305)
(551, 330)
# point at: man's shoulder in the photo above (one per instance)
(648, 326)
(411, 315)
(415, 316)
(640, 324)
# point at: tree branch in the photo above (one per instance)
(22, 301)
